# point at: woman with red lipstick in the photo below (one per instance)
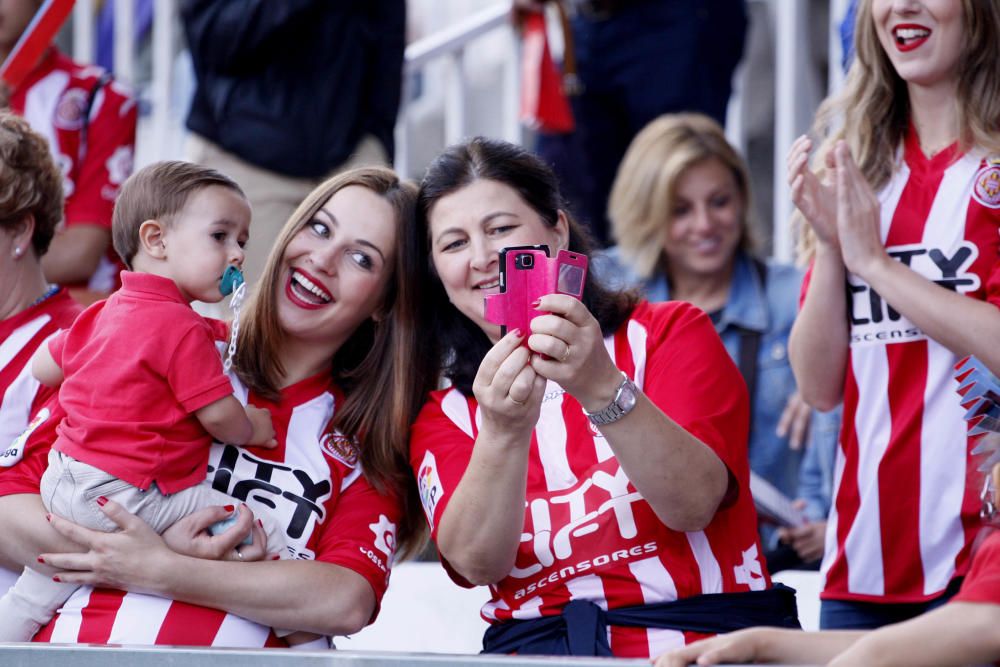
(903, 211)
(315, 343)
(593, 470)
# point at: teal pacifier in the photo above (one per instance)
(231, 279)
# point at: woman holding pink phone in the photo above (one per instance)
(593, 469)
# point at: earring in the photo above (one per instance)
(17, 251)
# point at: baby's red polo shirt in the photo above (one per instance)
(137, 365)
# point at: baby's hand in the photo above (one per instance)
(263, 430)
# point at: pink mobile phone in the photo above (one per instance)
(527, 273)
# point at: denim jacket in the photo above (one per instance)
(770, 311)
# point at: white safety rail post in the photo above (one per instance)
(454, 97)
(836, 79)
(450, 44)
(792, 109)
(83, 31)
(164, 12)
(124, 46)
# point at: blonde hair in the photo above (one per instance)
(872, 112)
(645, 189)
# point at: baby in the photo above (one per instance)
(140, 377)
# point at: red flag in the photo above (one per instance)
(34, 40)
(543, 104)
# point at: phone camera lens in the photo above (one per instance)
(525, 261)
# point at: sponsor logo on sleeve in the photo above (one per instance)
(749, 572)
(120, 165)
(385, 542)
(429, 486)
(15, 452)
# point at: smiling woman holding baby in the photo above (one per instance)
(593, 470)
(315, 342)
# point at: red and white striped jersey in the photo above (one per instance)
(20, 393)
(904, 516)
(312, 484)
(95, 153)
(588, 534)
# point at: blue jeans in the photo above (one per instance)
(850, 615)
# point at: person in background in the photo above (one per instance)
(288, 93)
(31, 308)
(904, 281)
(319, 345)
(961, 632)
(679, 211)
(637, 60)
(593, 470)
(89, 120)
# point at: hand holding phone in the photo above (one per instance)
(527, 273)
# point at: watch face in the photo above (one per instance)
(626, 400)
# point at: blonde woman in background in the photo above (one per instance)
(903, 215)
(679, 210)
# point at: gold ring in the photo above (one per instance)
(565, 354)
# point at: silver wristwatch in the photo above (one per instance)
(622, 404)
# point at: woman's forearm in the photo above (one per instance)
(959, 633)
(481, 527)
(310, 596)
(818, 345)
(965, 326)
(26, 533)
(680, 477)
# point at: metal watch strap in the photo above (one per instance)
(614, 411)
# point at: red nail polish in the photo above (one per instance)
(517, 333)
(260, 523)
(229, 508)
(536, 303)
(48, 517)
(101, 501)
(275, 557)
(41, 560)
(57, 579)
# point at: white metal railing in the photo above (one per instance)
(793, 109)
(450, 45)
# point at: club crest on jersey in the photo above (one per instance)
(15, 452)
(340, 447)
(70, 109)
(986, 189)
(429, 486)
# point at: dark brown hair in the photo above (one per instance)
(158, 192)
(30, 182)
(452, 338)
(375, 365)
